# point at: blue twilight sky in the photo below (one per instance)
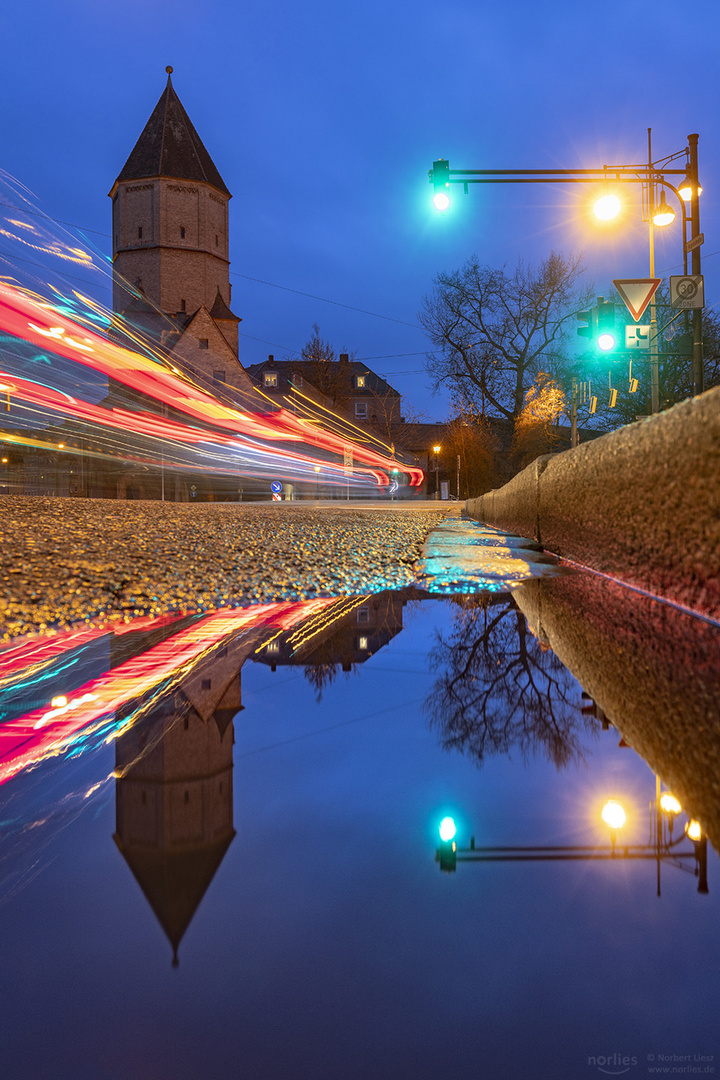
(324, 119)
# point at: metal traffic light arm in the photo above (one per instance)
(653, 172)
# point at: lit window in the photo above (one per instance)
(273, 647)
(204, 343)
(270, 378)
(363, 644)
(182, 232)
(360, 381)
(361, 410)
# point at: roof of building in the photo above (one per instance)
(170, 146)
(220, 310)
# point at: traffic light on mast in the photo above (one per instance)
(606, 333)
(440, 180)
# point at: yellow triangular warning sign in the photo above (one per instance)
(637, 293)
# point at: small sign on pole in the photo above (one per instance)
(637, 337)
(687, 291)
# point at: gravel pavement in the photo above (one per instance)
(66, 561)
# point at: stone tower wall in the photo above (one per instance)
(149, 219)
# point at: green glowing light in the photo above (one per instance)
(447, 829)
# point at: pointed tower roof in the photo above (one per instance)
(170, 146)
(174, 883)
(220, 310)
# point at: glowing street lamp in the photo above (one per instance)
(663, 214)
(685, 190)
(613, 814)
(436, 451)
(607, 207)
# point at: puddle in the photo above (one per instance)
(254, 796)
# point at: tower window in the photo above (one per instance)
(139, 232)
(217, 240)
(182, 305)
(204, 343)
(219, 376)
(206, 684)
(182, 232)
(187, 796)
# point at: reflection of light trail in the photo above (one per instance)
(44, 327)
(46, 732)
(31, 657)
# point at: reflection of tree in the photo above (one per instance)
(500, 688)
(320, 675)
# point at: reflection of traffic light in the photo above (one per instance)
(446, 854)
(605, 322)
(440, 180)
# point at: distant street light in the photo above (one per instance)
(436, 451)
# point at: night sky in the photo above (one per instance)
(323, 120)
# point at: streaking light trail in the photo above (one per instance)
(43, 326)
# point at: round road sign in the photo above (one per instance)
(276, 486)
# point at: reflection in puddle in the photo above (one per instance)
(330, 880)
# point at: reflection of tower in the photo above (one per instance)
(174, 803)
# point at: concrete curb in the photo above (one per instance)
(641, 503)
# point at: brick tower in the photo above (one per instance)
(170, 246)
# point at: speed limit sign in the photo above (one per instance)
(687, 291)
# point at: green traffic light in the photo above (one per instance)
(447, 829)
(606, 342)
(441, 201)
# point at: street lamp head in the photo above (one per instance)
(686, 188)
(437, 449)
(441, 201)
(664, 214)
(694, 830)
(607, 207)
(669, 804)
(613, 814)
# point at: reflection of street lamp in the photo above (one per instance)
(436, 451)
(661, 848)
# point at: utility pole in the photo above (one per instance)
(458, 476)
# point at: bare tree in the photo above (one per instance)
(499, 687)
(327, 371)
(493, 332)
(468, 437)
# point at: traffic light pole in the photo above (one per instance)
(650, 174)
